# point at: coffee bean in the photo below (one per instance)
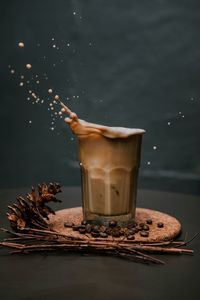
(141, 224)
(137, 229)
(160, 224)
(75, 227)
(81, 226)
(68, 224)
(144, 233)
(102, 229)
(130, 237)
(95, 228)
(113, 223)
(131, 224)
(88, 228)
(145, 227)
(103, 235)
(149, 221)
(95, 234)
(82, 230)
(116, 233)
(108, 231)
(131, 232)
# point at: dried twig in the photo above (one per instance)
(31, 232)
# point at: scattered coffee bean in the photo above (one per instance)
(88, 228)
(131, 232)
(116, 233)
(149, 221)
(145, 227)
(130, 237)
(75, 227)
(81, 226)
(95, 228)
(113, 223)
(160, 224)
(108, 231)
(103, 235)
(139, 228)
(141, 224)
(68, 224)
(131, 224)
(82, 230)
(95, 234)
(144, 233)
(102, 229)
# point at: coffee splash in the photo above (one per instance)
(80, 127)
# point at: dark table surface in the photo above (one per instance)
(63, 276)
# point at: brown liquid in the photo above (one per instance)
(109, 159)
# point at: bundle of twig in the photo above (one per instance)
(32, 240)
(31, 232)
(32, 211)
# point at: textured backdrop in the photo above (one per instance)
(120, 63)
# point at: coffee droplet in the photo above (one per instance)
(57, 97)
(28, 66)
(21, 45)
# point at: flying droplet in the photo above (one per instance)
(12, 71)
(154, 147)
(30, 122)
(21, 84)
(28, 66)
(168, 123)
(50, 91)
(57, 97)
(148, 163)
(21, 45)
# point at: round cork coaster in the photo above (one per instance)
(169, 231)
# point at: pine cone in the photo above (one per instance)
(31, 211)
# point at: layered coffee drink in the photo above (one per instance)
(109, 161)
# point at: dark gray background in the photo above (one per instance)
(132, 63)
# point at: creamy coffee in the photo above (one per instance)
(109, 161)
